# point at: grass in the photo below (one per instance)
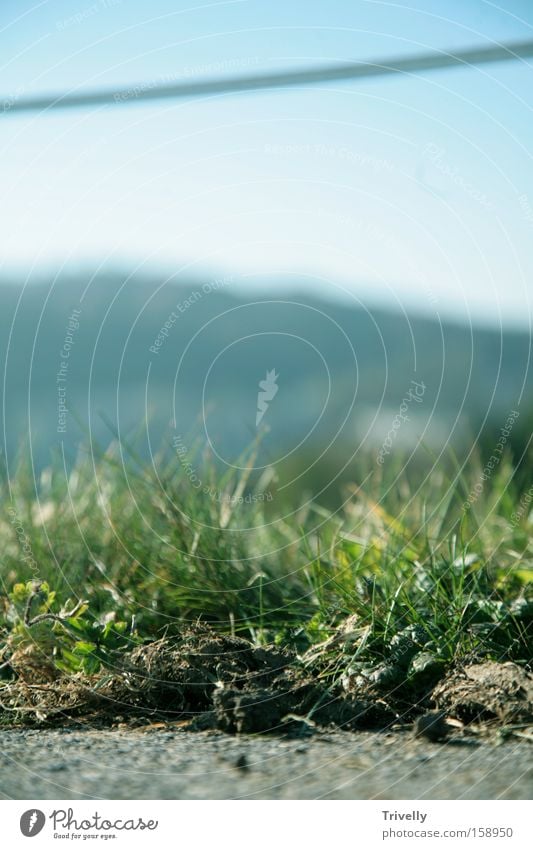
(120, 552)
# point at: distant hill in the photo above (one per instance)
(191, 354)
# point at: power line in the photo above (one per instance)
(280, 79)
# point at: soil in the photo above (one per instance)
(211, 681)
(493, 691)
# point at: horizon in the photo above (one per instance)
(282, 285)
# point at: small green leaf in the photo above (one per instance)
(84, 648)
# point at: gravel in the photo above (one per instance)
(167, 763)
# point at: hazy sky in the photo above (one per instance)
(415, 190)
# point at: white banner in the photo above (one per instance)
(267, 824)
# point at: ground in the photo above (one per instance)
(401, 605)
(163, 763)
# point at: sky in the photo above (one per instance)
(415, 191)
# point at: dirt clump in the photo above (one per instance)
(181, 674)
(238, 687)
(487, 691)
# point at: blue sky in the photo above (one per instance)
(414, 191)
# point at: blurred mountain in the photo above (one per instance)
(186, 357)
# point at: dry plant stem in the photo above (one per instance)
(44, 617)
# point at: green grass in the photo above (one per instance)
(148, 552)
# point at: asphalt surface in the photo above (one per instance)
(176, 764)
